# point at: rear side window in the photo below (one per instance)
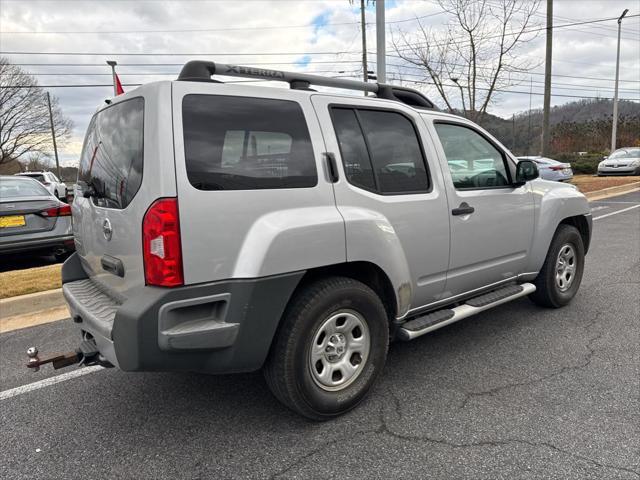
(380, 151)
(112, 155)
(242, 143)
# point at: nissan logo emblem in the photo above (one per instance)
(107, 231)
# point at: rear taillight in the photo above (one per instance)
(161, 246)
(61, 211)
(557, 168)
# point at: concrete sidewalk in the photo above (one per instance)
(32, 309)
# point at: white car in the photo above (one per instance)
(56, 187)
(551, 169)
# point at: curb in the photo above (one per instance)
(31, 303)
(18, 322)
(612, 191)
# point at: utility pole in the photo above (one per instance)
(381, 45)
(614, 129)
(529, 131)
(112, 64)
(547, 81)
(53, 136)
(365, 70)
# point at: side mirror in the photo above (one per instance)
(605, 157)
(526, 170)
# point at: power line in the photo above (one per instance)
(286, 53)
(581, 77)
(190, 54)
(203, 30)
(313, 62)
(417, 82)
(533, 30)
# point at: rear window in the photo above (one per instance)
(242, 143)
(21, 187)
(112, 155)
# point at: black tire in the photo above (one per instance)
(287, 369)
(548, 293)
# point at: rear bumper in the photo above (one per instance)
(49, 243)
(218, 327)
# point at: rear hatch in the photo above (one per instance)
(25, 208)
(126, 164)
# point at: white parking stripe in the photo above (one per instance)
(49, 381)
(616, 212)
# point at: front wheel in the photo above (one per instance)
(560, 276)
(329, 349)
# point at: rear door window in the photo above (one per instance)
(242, 143)
(112, 155)
(380, 151)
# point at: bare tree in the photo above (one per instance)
(475, 55)
(24, 116)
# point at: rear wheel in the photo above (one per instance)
(560, 276)
(330, 348)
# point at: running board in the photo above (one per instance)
(440, 318)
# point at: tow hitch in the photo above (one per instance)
(87, 354)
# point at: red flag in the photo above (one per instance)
(119, 89)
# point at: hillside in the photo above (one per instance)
(584, 125)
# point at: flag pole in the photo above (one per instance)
(112, 64)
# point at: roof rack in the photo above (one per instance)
(201, 71)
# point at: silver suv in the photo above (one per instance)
(226, 228)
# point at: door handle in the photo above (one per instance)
(463, 209)
(332, 168)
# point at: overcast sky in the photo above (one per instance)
(308, 35)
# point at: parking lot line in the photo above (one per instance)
(48, 382)
(616, 212)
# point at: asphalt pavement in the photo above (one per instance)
(516, 392)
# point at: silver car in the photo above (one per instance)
(624, 161)
(551, 169)
(227, 228)
(32, 219)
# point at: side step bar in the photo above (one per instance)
(440, 318)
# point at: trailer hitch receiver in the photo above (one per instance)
(86, 354)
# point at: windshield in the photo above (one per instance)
(21, 187)
(629, 153)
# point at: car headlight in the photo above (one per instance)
(635, 163)
(601, 164)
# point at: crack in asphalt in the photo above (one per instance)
(299, 462)
(582, 365)
(385, 429)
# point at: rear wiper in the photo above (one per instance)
(91, 191)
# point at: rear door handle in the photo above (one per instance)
(463, 209)
(332, 167)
